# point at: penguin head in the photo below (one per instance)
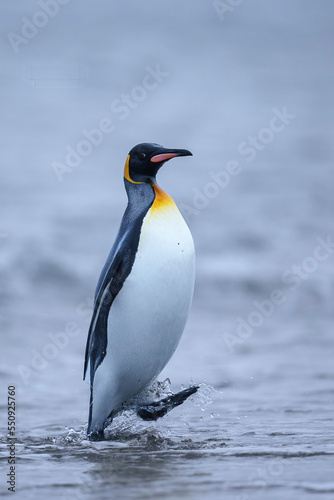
(144, 161)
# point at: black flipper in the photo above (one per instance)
(157, 409)
(116, 270)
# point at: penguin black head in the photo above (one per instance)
(144, 161)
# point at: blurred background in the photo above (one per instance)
(247, 87)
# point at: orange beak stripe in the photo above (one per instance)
(163, 157)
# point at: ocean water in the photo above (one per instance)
(247, 87)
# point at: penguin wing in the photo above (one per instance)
(114, 273)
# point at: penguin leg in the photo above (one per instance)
(157, 409)
(98, 435)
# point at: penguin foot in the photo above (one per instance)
(96, 436)
(157, 409)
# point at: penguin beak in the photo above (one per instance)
(167, 154)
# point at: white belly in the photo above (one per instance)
(147, 318)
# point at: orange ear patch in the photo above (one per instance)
(162, 200)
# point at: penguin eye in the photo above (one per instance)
(142, 156)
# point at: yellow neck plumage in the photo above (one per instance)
(127, 173)
(161, 201)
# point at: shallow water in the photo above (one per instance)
(259, 340)
(231, 447)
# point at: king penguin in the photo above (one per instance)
(143, 295)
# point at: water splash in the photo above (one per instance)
(204, 396)
(128, 430)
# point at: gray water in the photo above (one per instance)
(259, 338)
